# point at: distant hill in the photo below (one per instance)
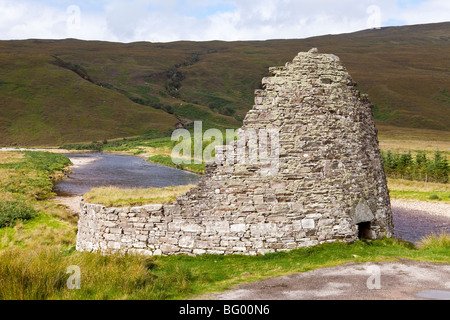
(59, 91)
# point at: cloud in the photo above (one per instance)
(124, 18)
(425, 12)
(170, 20)
(291, 19)
(26, 19)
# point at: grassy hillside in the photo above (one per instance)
(42, 104)
(56, 92)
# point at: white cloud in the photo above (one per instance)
(123, 18)
(425, 12)
(24, 20)
(152, 20)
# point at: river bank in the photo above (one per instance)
(429, 207)
(72, 203)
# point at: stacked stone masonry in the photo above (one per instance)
(329, 184)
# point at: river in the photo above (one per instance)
(413, 225)
(92, 170)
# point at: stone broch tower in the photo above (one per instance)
(330, 183)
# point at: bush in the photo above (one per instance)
(94, 146)
(13, 211)
(404, 166)
(45, 161)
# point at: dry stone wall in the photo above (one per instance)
(328, 182)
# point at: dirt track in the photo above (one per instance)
(402, 280)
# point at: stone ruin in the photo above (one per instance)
(328, 184)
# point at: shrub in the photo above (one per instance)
(13, 211)
(46, 161)
(404, 166)
(94, 146)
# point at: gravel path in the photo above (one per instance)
(398, 280)
(415, 206)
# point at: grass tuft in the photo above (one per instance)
(435, 241)
(116, 197)
(168, 161)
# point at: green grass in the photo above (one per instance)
(422, 196)
(32, 176)
(168, 161)
(142, 141)
(435, 242)
(117, 197)
(49, 226)
(418, 190)
(46, 162)
(26, 216)
(41, 273)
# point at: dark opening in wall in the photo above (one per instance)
(364, 230)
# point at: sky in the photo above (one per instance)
(204, 20)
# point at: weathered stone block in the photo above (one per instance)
(241, 227)
(217, 227)
(308, 224)
(263, 228)
(111, 237)
(362, 212)
(191, 227)
(168, 248)
(115, 230)
(186, 242)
